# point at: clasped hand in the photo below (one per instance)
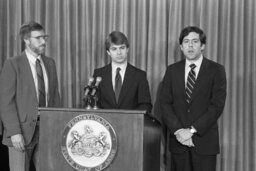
(18, 142)
(184, 136)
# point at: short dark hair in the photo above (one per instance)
(28, 27)
(190, 29)
(117, 38)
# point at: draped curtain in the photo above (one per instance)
(78, 28)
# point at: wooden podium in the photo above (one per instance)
(137, 135)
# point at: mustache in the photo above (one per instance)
(44, 45)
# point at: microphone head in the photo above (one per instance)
(98, 80)
(90, 81)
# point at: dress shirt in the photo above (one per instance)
(32, 62)
(122, 72)
(198, 63)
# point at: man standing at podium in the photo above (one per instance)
(27, 81)
(123, 86)
(192, 99)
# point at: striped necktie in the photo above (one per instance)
(191, 81)
(40, 83)
(118, 83)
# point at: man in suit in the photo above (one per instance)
(27, 81)
(192, 99)
(123, 86)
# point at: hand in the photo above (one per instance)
(188, 143)
(183, 135)
(18, 142)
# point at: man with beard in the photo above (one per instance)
(123, 86)
(192, 99)
(27, 81)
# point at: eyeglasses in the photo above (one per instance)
(44, 37)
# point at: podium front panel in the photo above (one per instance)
(129, 128)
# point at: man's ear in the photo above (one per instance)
(108, 52)
(202, 47)
(181, 47)
(26, 41)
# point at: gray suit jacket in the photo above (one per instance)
(18, 99)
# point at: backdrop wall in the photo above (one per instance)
(78, 29)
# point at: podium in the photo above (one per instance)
(135, 145)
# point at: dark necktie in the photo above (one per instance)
(191, 80)
(40, 81)
(118, 83)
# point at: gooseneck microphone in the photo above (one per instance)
(87, 88)
(98, 80)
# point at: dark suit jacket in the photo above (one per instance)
(134, 93)
(208, 100)
(18, 99)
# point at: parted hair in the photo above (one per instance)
(117, 38)
(185, 31)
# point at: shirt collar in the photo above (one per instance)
(198, 62)
(31, 57)
(121, 66)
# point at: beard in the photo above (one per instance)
(38, 50)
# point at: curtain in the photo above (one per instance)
(78, 28)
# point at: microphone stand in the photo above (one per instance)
(95, 98)
(88, 97)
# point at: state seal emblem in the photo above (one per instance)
(89, 143)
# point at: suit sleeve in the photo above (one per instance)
(144, 98)
(8, 108)
(217, 103)
(166, 104)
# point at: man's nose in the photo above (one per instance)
(119, 51)
(190, 43)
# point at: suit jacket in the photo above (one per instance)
(207, 103)
(134, 92)
(18, 98)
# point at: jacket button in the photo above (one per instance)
(188, 110)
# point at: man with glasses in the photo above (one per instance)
(27, 81)
(192, 99)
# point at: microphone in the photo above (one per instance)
(88, 87)
(98, 80)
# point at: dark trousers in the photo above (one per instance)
(192, 161)
(4, 156)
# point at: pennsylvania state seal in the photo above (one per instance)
(89, 143)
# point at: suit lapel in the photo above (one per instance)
(181, 78)
(25, 66)
(48, 72)
(128, 77)
(109, 86)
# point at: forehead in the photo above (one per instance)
(192, 35)
(37, 33)
(117, 46)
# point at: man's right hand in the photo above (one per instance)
(18, 142)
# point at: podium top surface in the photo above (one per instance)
(94, 110)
